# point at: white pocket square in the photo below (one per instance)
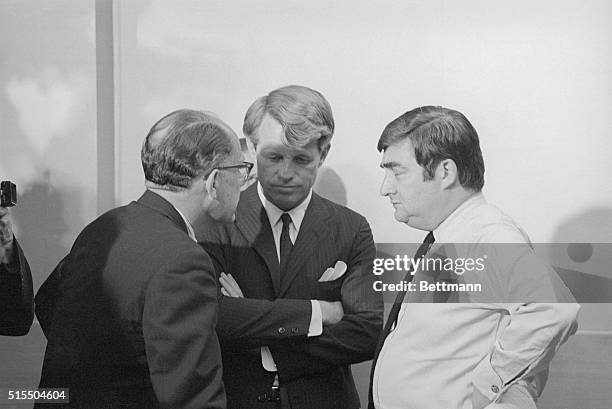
(333, 273)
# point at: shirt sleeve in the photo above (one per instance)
(528, 343)
(316, 320)
(530, 331)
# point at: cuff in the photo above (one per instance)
(316, 320)
(487, 381)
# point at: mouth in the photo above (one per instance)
(284, 187)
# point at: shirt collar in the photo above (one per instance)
(443, 233)
(274, 213)
(190, 230)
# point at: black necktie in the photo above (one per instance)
(285, 243)
(394, 313)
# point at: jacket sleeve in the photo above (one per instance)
(354, 338)
(47, 296)
(256, 322)
(179, 329)
(16, 295)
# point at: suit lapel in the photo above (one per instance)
(253, 223)
(313, 232)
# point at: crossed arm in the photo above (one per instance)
(351, 339)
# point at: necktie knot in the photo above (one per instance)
(286, 219)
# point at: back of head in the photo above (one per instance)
(438, 133)
(304, 114)
(183, 145)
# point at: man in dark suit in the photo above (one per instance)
(134, 322)
(299, 308)
(16, 306)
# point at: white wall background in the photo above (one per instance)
(535, 79)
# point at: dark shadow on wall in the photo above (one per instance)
(42, 228)
(581, 370)
(587, 252)
(581, 252)
(330, 186)
(583, 229)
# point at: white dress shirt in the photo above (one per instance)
(190, 231)
(438, 354)
(297, 216)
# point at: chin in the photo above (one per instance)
(285, 203)
(400, 217)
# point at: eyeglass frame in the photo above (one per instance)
(242, 165)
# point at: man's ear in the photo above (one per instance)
(447, 173)
(324, 153)
(212, 184)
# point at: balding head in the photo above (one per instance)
(183, 145)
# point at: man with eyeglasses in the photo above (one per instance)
(295, 269)
(134, 322)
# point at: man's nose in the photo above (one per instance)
(285, 171)
(387, 186)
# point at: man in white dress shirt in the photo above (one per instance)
(492, 348)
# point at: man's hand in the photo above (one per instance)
(331, 311)
(229, 286)
(6, 237)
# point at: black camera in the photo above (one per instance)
(8, 194)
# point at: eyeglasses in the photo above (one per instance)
(243, 167)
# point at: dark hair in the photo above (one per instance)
(438, 133)
(304, 114)
(182, 145)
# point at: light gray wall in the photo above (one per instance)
(533, 77)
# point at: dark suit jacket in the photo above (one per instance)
(16, 300)
(276, 310)
(135, 315)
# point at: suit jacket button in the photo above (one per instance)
(295, 330)
(494, 388)
(281, 330)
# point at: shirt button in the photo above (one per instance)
(281, 330)
(494, 388)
